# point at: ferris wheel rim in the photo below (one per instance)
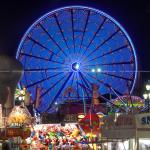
(90, 8)
(97, 11)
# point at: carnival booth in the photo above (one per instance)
(15, 129)
(129, 132)
(55, 136)
(82, 133)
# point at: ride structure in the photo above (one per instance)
(76, 46)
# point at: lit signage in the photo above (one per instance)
(145, 120)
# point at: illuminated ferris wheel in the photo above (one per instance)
(75, 47)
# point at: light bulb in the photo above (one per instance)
(93, 70)
(98, 70)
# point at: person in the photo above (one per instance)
(6, 146)
(11, 143)
(50, 146)
(32, 132)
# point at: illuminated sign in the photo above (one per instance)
(145, 120)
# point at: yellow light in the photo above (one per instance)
(100, 115)
(101, 123)
(93, 135)
(148, 87)
(145, 96)
(81, 116)
(105, 144)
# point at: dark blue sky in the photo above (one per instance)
(133, 15)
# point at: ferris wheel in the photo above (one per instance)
(76, 47)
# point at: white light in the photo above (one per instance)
(77, 66)
(148, 87)
(145, 96)
(145, 141)
(116, 116)
(123, 145)
(20, 98)
(21, 92)
(98, 70)
(56, 103)
(93, 70)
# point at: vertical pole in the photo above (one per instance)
(84, 103)
(137, 140)
(129, 144)
(148, 102)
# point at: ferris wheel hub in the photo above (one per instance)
(75, 66)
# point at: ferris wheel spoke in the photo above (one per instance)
(60, 90)
(118, 63)
(108, 53)
(105, 84)
(42, 46)
(58, 24)
(72, 79)
(43, 69)
(45, 79)
(52, 39)
(106, 40)
(38, 57)
(72, 25)
(92, 39)
(49, 89)
(87, 82)
(119, 77)
(112, 64)
(85, 27)
(33, 56)
(83, 86)
(57, 62)
(77, 85)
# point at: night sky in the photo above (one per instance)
(134, 15)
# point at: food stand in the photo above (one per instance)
(15, 129)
